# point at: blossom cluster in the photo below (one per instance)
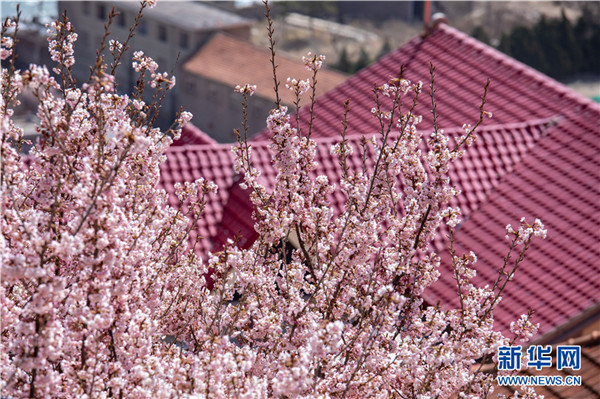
(526, 231)
(115, 46)
(7, 45)
(298, 86)
(245, 89)
(142, 63)
(523, 328)
(367, 267)
(61, 39)
(313, 62)
(92, 256)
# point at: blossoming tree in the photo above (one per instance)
(104, 295)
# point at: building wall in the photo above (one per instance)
(156, 38)
(32, 49)
(168, 44)
(217, 109)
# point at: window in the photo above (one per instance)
(162, 33)
(101, 11)
(212, 92)
(122, 19)
(183, 40)
(190, 87)
(142, 27)
(84, 39)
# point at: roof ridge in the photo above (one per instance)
(199, 147)
(516, 64)
(585, 340)
(547, 122)
(280, 54)
(191, 132)
(536, 128)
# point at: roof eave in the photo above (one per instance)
(572, 326)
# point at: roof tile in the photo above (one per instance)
(219, 60)
(539, 159)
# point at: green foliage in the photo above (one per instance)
(555, 46)
(320, 9)
(385, 49)
(344, 63)
(363, 60)
(480, 34)
(587, 31)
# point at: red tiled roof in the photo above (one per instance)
(192, 135)
(476, 174)
(188, 163)
(540, 159)
(558, 182)
(517, 92)
(232, 61)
